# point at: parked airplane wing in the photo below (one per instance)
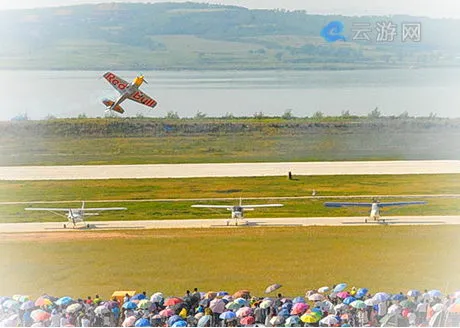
(401, 203)
(117, 82)
(262, 205)
(106, 209)
(142, 98)
(333, 204)
(50, 209)
(214, 206)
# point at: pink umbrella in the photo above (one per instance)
(299, 308)
(243, 312)
(166, 313)
(39, 315)
(173, 301)
(129, 321)
(343, 295)
(217, 305)
(247, 321)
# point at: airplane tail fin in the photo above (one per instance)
(109, 103)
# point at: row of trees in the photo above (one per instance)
(287, 115)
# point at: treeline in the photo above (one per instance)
(202, 36)
(154, 127)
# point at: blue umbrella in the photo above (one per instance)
(298, 299)
(64, 300)
(227, 315)
(287, 306)
(173, 319)
(349, 300)
(435, 293)
(143, 322)
(413, 293)
(284, 313)
(180, 323)
(398, 297)
(129, 305)
(340, 287)
(361, 292)
(137, 297)
(222, 293)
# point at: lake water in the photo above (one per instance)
(242, 93)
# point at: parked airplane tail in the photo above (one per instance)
(109, 103)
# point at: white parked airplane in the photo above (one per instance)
(375, 207)
(238, 210)
(75, 215)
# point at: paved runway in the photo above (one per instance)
(224, 170)
(221, 223)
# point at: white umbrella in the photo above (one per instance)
(380, 297)
(394, 309)
(341, 307)
(266, 304)
(316, 297)
(330, 320)
(369, 302)
(157, 297)
(326, 306)
(324, 289)
(101, 309)
(72, 308)
(129, 321)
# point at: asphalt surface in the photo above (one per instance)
(221, 223)
(83, 172)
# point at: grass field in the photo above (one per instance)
(233, 188)
(380, 258)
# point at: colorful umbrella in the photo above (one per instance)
(310, 318)
(157, 297)
(64, 300)
(299, 308)
(265, 304)
(203, 321)
(435, 294)
(330, 320)
(407, 304)
(292, 321)
(380, 297)
(180, 323)
(454, 308)
(244, 312)
(413, 293)
(111, 304)
(247, 320)
(27, 305)
(298, 299)
(343, 295)
(340, 287)
(39, 315)
(142, 322)
(72, 308)
(166, 312)
(173, 301)
(129, 321)
(241, 293)
(43, 301)
(361, 292)
(324, 289)
(227, 315)
(144, 304)
(278, 320)
(358, 304)
(11, 305)
(272, 288)
(129, 305)
(349, 300)
(316, 297)
(138, 297)
(233, 306)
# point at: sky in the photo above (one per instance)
(430, 8)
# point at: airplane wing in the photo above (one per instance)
(230, 207)
(333, 204)
(401, 203)
(143, 99)
(117, 82)
(49, 209)
(105, 209)
(246, 207)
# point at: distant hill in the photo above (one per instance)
(202, 36)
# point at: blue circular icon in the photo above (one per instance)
(332, 32)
